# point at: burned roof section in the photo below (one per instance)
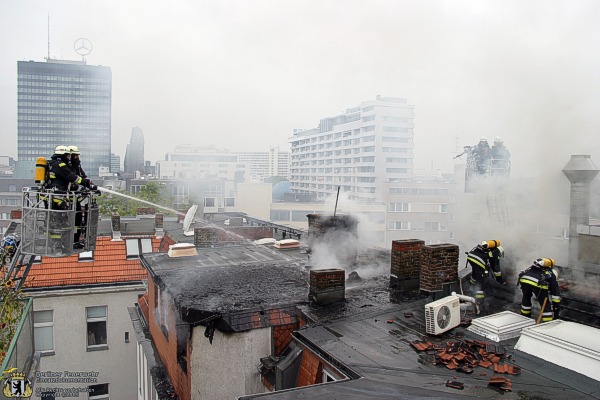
(232, 282)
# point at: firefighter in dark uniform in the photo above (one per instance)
(483, 258)
(541, 279)
(62, 180)
(62, 177)
(75, 165)
(496, 253)
(482, 153)
(478, 259)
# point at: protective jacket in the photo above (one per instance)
(76, 167)
(61, 175)
(495, 254)
(542, 283)
(478, 258)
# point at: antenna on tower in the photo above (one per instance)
(48, 58)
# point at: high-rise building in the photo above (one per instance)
(134, 155)
(63, 103)
(263, 164)
(358, 151)
(115, 163)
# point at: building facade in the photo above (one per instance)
(357, 151)
(63, 103)
(262, 165)
(10, 199)
(115, 163)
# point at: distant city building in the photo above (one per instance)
(187, 162)
(7, 165)
(115, 163)
(359, 151)
(63, 103)
(134, 155)
(266, 164)
(10, 199)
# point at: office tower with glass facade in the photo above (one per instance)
(63, 103)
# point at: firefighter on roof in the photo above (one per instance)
(496, 253)
(483, 258)
(541, 279)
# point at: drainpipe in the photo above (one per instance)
(468, 299)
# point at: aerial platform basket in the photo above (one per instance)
(48, 231)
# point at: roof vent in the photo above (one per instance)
(182, 250)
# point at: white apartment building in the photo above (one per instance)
(266, 164)
(359, 151)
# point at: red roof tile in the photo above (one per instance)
(109, 265)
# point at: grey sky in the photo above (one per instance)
(243, 74)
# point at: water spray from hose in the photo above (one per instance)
(105, 190)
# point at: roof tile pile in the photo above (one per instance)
(466, 355)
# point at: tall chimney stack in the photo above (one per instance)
(580, 170)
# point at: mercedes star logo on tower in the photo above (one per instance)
(83, 46)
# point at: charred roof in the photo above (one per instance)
(231, 281)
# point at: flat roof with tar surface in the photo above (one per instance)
(230, 280)
(375, 345)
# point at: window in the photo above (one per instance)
(229, 202)
(399, 225)
(96, 327)
(43, 328)
(399, 207)
(209, 202)
(135, 247)
(443, 208)
(99, 392)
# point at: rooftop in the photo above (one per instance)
(376, 346)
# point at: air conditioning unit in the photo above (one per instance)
(442, 315)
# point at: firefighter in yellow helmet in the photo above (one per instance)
(541, 279)
(483, 258)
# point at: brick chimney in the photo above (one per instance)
(115, 223)
(159, 225)
(16, 214)
(439, 267)
(405, 268)
(206, 236)
(327, 285)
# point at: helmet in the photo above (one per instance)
(544, 262)
(73, 149)
(483, 139)
(498, 140)
(61, 150)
